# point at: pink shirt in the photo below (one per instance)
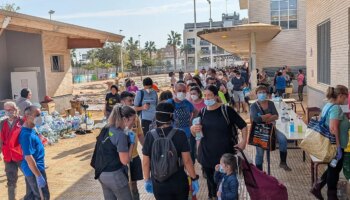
(199, 105)
(300, 79)
(133, 89)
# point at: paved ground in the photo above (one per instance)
(71, 177)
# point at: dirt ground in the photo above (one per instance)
(70, 176)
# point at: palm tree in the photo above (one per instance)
(10, 7)
(185, 48)
(174, 40)
(131, 47)
(150, 47)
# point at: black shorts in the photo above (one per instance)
(136, 169)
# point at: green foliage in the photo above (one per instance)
(174, 40)
(10, 7)
(150, 47)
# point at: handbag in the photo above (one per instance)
(263, 135)
(261, 186)
(319, 141)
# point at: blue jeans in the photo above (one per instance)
(32, 190)
(282, 142)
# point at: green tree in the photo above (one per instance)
(150, 47)
(10, 7)
(185, 49)
(73, 58)
(132, 49)
(174, 39)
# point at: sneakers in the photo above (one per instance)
(285, 167)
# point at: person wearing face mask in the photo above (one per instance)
(183, 114)
(264, 111)
(338, 125)
(127, 99)
(226, 177)
(146, 101)
(117, 145)
(176, 186)
(33, 164)
(196, 98)
(10, 129)
(238, 84)
(219, 125)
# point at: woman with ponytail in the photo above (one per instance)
(338, 125)
(117, 149)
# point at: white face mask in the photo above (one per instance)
(194, 97)
(188, 82)
(38, 121)
(180, 96)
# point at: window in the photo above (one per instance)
(324, 52)
(57, 63)
(204, 43)
(190, 41)
(284, 13)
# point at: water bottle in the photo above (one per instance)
(197, 121)
(273, 96)
(291, 126)
(300, 126)
(333, 163)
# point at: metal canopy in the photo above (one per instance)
(236, 40)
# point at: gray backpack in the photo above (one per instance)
(164, 157)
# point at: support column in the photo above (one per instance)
(252, 63)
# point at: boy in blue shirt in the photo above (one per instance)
(33, 164)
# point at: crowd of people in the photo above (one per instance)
(196, 120)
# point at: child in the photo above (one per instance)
(226, 176)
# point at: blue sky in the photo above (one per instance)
(152, 19)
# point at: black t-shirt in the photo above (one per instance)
(218, 135)
(177, 181)
(111, 100)
(181, 75)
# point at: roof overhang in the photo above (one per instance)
(87, 37)
(236, 40)
(243, 4)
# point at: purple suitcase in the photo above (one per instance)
(261, 186)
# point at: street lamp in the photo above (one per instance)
(51, 12)
(140, 61)
(195, 39)
(121, 54)
(210, 26)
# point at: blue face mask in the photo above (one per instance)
(209, 102)
(221, 170)
(262, 96)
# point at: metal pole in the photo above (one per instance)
(253, 60)
(195, 39)
(140, 55)
(121, 55)
(210, 27)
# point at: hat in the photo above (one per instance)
(47, 99)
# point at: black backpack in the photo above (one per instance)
(105, 157)
(164, 157)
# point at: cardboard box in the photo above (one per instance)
(50, 107)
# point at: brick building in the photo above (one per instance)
(35, 53)
(327, 47)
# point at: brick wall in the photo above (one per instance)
(57, 83)
(318, 11)
(288, 47)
